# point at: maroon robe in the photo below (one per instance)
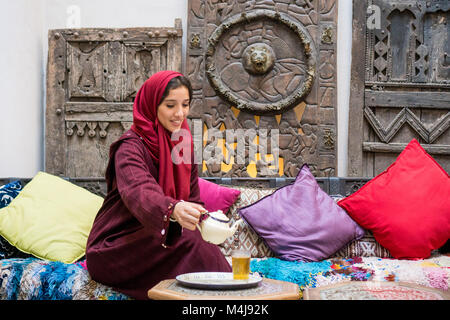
(133, 245)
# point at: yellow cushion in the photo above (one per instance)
(50, 218)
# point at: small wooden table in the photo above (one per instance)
(267, 289)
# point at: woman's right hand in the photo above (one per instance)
(187, 214)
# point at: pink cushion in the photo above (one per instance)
(216, 197)
(407, 206)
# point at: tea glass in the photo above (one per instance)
(240, 260)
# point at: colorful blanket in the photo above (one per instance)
(433, 272)
(36, 279)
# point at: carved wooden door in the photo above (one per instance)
(267, 70)
(401, 84)
(92, 78)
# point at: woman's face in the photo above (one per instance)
(174, 109)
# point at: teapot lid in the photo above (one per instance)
(218, 216)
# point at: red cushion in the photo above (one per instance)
(216, 197)
(407, 206)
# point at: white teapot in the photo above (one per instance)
(214, 227)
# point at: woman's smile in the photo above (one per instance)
(174, 109)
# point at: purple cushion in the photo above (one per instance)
(216, 197)
(300, 222)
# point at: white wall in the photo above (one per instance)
(344, 60)
(24, 61)
(21, 88)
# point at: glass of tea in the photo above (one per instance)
(240, 260)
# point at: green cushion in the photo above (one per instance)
(50, 218)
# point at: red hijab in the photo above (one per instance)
(173, 178)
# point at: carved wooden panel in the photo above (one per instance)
(265, 70)
(93, 76)
(400, 82)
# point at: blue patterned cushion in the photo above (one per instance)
(7, 193)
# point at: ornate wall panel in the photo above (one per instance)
(265, 70)
(401, 84)
(92, 78)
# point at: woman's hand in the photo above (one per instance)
(187, 214)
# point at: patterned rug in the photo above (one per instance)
(433, 272)
(375, 290)
(36, 279)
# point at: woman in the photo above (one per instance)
(145, 231)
